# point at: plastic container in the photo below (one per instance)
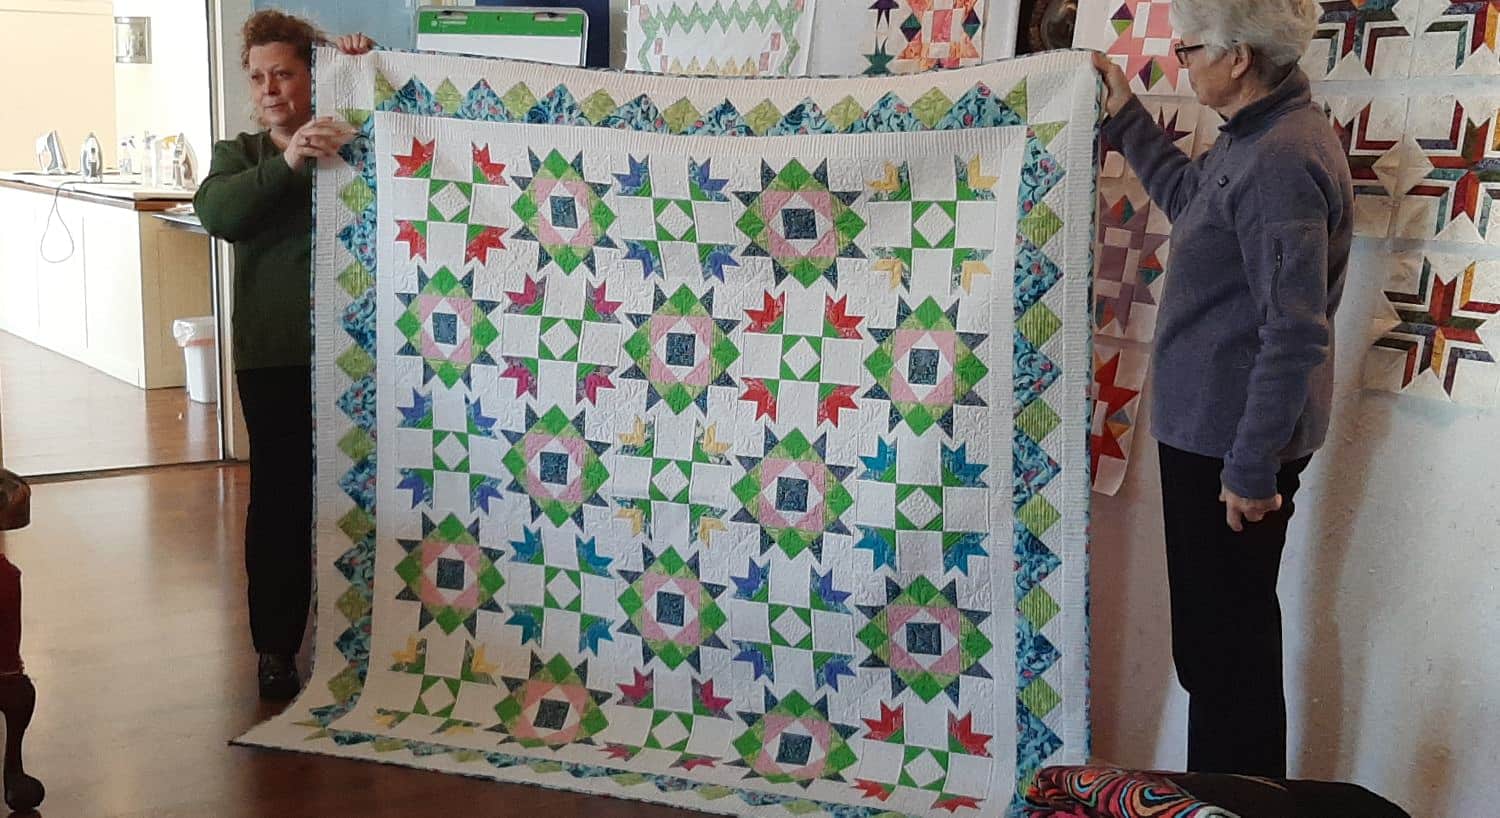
(200, 351)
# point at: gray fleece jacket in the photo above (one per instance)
(1262, 225)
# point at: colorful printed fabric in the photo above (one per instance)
(743, 475)
(728, 38)
(1102, 792)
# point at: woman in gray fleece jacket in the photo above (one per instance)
(1244, 351)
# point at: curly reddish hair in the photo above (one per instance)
(269, 26)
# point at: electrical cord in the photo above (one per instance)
(53, 213)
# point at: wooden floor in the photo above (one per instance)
(58, 416)
(137, 638)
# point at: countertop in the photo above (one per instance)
(185, 221)
(115, 190)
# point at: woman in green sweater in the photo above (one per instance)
(258, 195)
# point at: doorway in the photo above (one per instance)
(108, 290)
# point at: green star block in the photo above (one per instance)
(637, 602)
(758, 754)
(937, 407)
(569, 244)
(764, 223)
(959, 627)
(587, 473)
(806, 533)
(711, 337)
(479, 574)
(444, 286)
(553, 681)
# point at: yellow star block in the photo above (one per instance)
(891, 182)
(977, 179)
(969, 271)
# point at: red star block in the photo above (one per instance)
(419, 160)
(528, 295)
(875, 789)
(639, 690)
(484, 242)
(846, 325)
(619, 752)
(1115, 399)
(762, 319)
(757, 393)
(415, 238)
(712, 703)
(957, 802)
(962, 731)
(593, 383)
(599, 300)
(525, 384)
(892, 720)
(837, 400)
(492, 172)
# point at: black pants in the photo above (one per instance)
(278, 529)
(1226, 618)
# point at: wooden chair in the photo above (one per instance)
(17, 694)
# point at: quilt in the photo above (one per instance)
(729, 38)
(719, 443)
(877, 37)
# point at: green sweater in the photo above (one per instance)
(254, 200)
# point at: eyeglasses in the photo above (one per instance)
(1182, 51)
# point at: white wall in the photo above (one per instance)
(170, 94)
(58, 60)
(1390, 589)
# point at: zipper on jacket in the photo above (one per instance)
(1276, 276)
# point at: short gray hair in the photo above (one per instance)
(1276, 31)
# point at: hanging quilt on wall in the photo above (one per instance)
(728, 38)
(1435, 331)
(721, 443)
(905, 36)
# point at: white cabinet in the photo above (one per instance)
(104, 285)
